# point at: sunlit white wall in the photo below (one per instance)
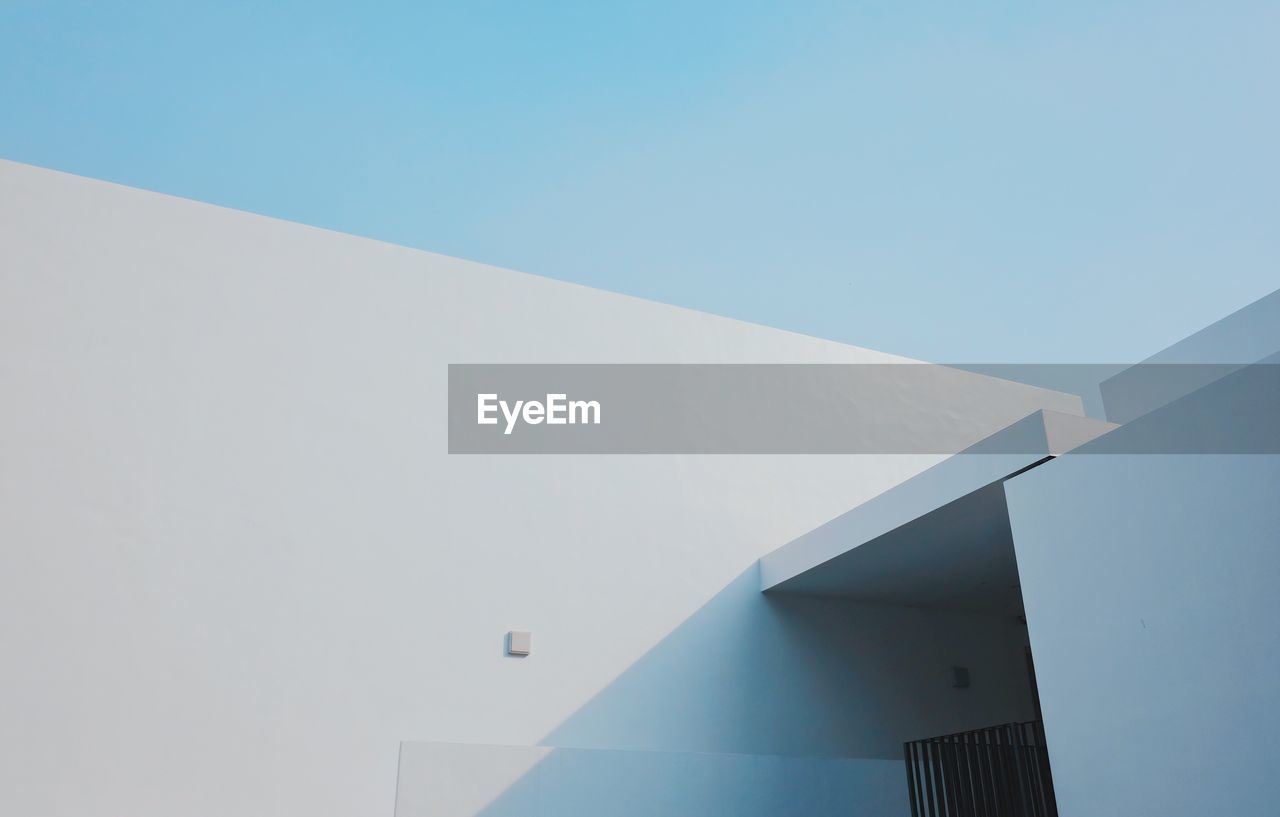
(238, 566)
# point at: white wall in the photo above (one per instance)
(793, 674)
(237, 566)
(1150, 588)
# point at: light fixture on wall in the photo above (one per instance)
(519, 642)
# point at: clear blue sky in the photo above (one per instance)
(984, 181)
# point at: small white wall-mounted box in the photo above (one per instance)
(518, 642)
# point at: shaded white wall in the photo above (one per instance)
(237, 565)
(796, 674)
(1150, 588)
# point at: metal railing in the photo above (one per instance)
(1000, 771)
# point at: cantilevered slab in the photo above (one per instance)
(1246, 337)
(941, 537)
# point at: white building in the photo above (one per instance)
(241, 573)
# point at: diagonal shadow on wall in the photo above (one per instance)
(767, 692)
